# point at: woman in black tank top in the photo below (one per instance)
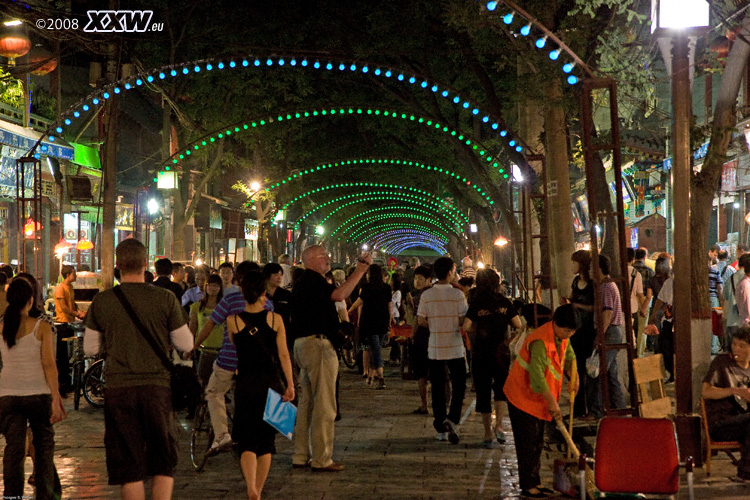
(262, 363)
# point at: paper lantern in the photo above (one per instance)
(13, 45)
(84, 245)
(41, 60)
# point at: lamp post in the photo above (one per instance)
(679, 19)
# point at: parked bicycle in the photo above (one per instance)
(78, 361)
(349, 352)
(94, 382)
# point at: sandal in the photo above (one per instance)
(528, 494)
(488, 444)
(420, 411)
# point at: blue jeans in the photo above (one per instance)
(376, 358)
(15, 413)
(614, 335)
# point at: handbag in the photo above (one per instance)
(517, 342)
(592, 365)
(184, 383)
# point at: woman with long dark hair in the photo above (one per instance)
(260, 338)
(374, 319)
(29, 393)
(487, 321)
(200, 312)
(582, 298)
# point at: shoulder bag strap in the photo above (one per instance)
(142, 328)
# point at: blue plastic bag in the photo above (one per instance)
(280, 414)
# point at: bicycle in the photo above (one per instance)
(349, 352)
(77, 361)
(202, 432)
(94, 383)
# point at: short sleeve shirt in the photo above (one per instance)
(313, 311)
(443, 306)
(725, 372)
(130, 359)
(492, 315)
(611, 301)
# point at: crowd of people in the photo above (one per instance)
(275, 327)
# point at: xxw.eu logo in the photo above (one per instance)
(128, 21)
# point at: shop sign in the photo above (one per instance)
(729, 176)
(124, 217)
(215, 220)
(70, 227)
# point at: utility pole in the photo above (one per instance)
(109, 168)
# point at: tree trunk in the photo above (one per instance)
(558, 202)
(704, 184)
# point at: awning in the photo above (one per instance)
(86, 156)
(25, 138)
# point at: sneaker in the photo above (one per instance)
(221, 443)
(441, 436)
(500, 436)
(452, 430)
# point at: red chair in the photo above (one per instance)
(638, 455)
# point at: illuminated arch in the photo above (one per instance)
(494, 123)
(433, 207)
(408, 191)
(244, 125)
(385, 225)
(322, 167)
(386, 238)
(354, 222)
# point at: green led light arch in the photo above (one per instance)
(409, 206)
(357, 222)
(322, 167)
(409, 191)
(227, 131)
(381, 196)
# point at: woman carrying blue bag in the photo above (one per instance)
(261, 347)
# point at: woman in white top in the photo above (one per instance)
(29, 393)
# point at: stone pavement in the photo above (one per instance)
(388, 453)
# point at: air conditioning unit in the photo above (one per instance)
(79, 188)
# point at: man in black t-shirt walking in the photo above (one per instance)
(314, 317)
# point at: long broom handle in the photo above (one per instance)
(573, 377)
(590, 479)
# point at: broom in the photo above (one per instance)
(590, 480)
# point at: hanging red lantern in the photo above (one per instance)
(84, 245)
(14, 44)
(41, 60)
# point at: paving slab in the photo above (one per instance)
(388, 453)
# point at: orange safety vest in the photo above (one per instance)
(518, 385)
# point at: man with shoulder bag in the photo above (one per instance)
(140, 434)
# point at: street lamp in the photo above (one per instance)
(679, 19)
(255, 186)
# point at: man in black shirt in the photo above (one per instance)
(726, 390)
(314, 317)
(163, 269)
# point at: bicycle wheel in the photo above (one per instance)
(93, 384)
(201, 437)
(77, 376)
(349, 353)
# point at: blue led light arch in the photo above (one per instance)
(493, 123)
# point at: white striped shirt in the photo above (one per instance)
(444, 307)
